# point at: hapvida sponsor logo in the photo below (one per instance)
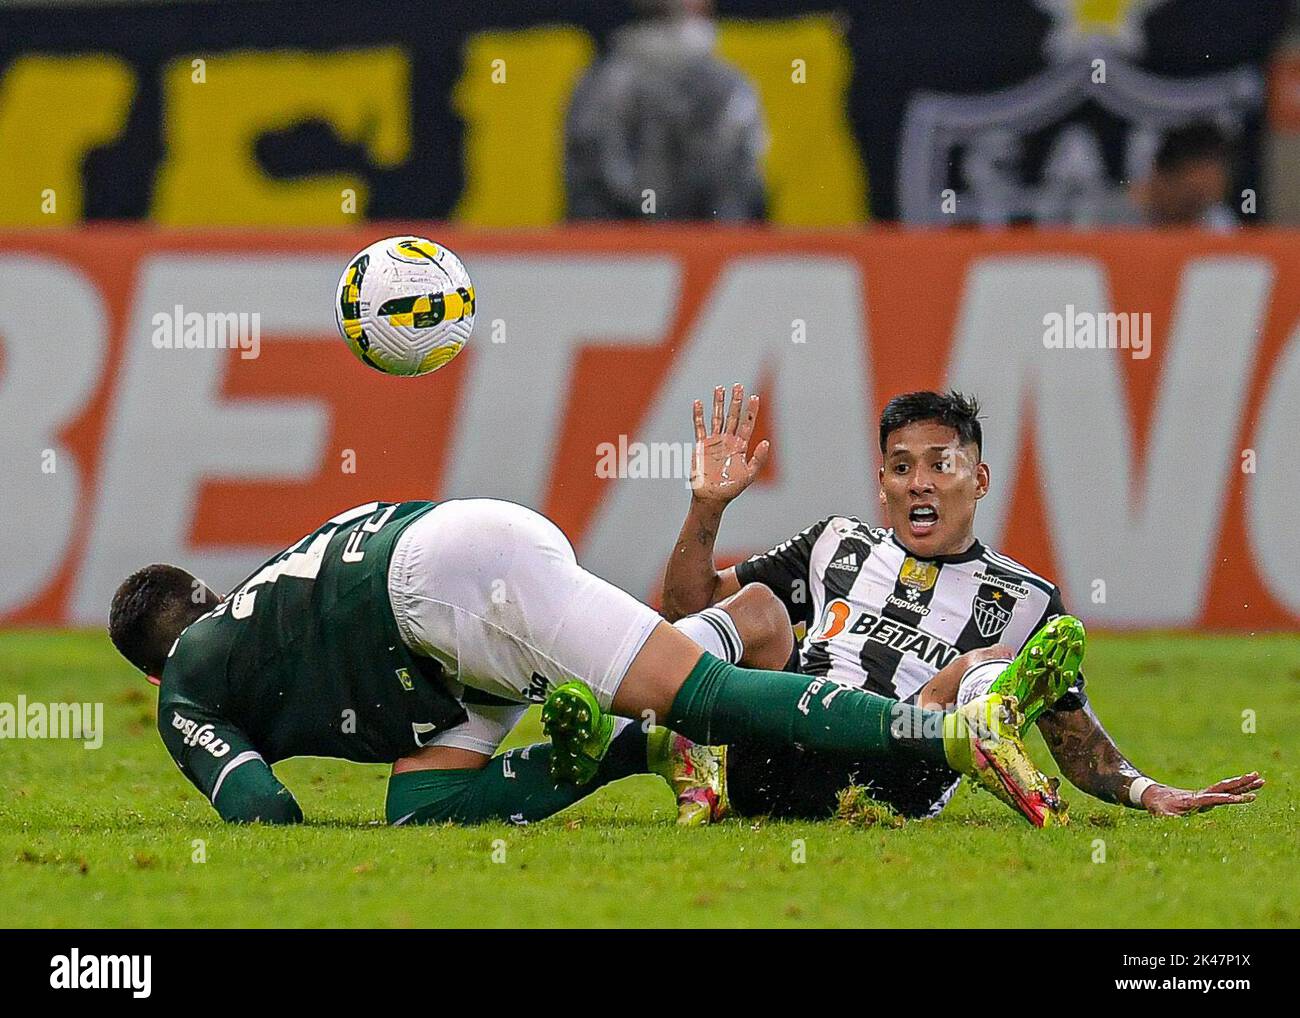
(82, 721)
(77, 971)
(908, 605)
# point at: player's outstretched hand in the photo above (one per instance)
(719, 469)
(1164, 801)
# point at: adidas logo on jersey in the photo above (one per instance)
(849, 561)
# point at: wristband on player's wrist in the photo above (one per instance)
(1137, 789)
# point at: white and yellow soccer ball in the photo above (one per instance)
(405, 306)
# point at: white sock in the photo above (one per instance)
(978, 678)
(714, 630)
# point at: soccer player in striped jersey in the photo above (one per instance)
(415, 633)
(921, 611)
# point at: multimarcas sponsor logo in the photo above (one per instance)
(77, 971)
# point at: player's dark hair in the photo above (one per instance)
(150, 609)
(951, 409)
(1191, 143)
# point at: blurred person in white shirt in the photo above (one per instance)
(661, 128)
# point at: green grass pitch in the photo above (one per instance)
(112, 836)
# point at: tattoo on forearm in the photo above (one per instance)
(682, 591)
(1087, 755)
(703, 538)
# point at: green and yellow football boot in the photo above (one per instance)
(982, 741)
(580, 732)
(1044, 669)
(696, 773)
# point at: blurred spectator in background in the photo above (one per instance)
(1188, 182)
(661, 128)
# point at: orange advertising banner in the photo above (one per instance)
(1141, 394)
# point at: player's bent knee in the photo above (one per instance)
(998, 652)
(427, 796)
(656, 674)
(763, 625)
(964, 662)
(442, 758)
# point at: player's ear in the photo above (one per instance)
(981, 479)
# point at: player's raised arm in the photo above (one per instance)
(720, 470)
(224, 765)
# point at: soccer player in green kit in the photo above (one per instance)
(415, 633)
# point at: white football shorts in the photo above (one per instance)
(493, 591)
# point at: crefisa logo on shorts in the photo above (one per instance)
(77, 971)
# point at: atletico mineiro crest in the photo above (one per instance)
(990, 615)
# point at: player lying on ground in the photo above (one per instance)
(414, 633)
(921, 611)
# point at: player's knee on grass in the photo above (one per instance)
(763, 625)
(432, 796)
(514, 787)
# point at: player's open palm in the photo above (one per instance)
(1165, 801)
(722, 467)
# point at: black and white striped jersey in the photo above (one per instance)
(879, 618)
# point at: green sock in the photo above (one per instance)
(720, 702)
(515, 786)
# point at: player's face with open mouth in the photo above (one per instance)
(929, 485)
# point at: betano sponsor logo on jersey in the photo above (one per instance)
(203, 736)
(892, 633)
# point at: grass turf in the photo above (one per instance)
(113, 836)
